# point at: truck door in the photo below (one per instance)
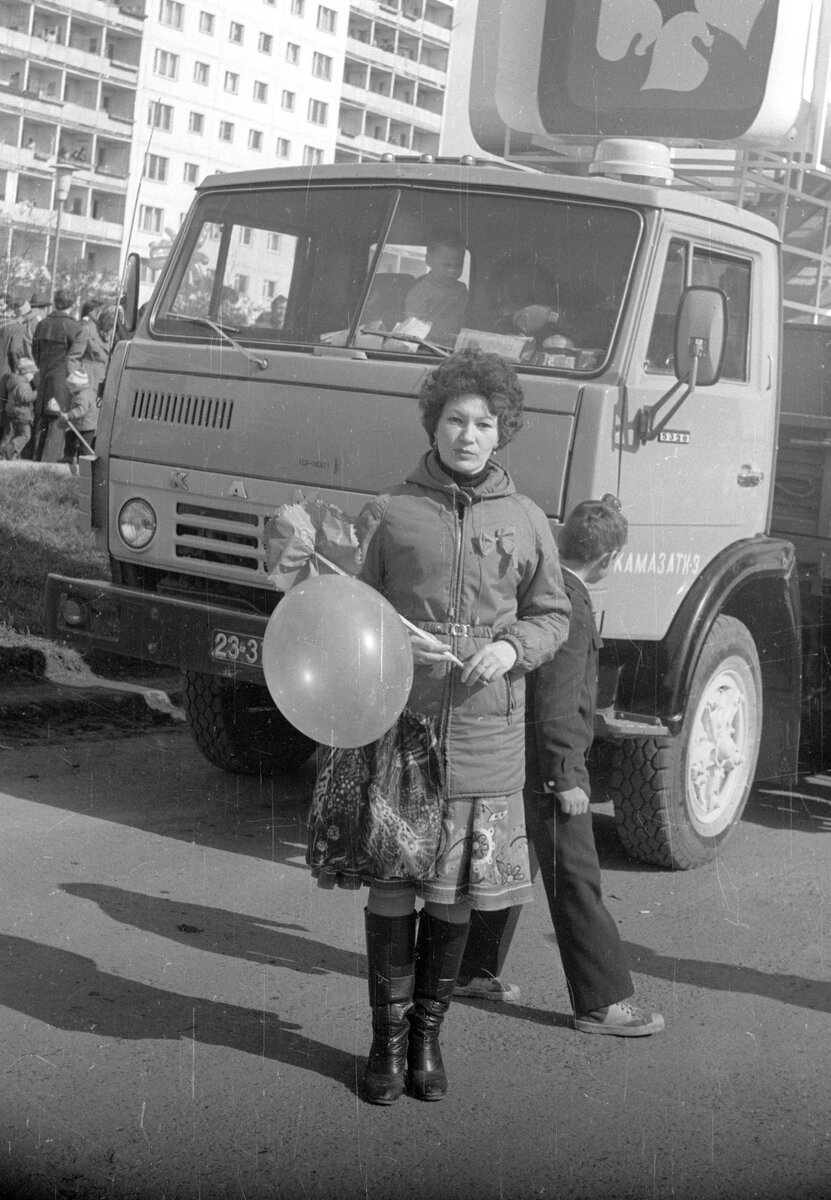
(703, 481)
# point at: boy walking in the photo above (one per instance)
(17, 396)
(558, 817)
(83, 415)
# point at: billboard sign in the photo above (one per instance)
(696, 70)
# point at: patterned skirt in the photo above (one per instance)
(379, 817)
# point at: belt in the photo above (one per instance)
(455, 628)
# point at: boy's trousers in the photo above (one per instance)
(593, 955)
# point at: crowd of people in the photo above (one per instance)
(52, 367)
(475, 762)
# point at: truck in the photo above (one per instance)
(676, 239)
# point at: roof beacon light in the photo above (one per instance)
(632, 159)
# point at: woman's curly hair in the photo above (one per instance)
(472, 372)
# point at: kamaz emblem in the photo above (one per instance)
(237, 489)
(179, 481)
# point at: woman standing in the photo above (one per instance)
(459, 553)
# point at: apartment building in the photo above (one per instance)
(395, 70)
(111, 112)
(68, 78)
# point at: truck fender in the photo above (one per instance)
(755, 581)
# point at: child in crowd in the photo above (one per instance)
(558, 817)
(17, 395)
(83, 414)
(439, 297)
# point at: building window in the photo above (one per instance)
(292, 53)
(206, 23)
(326, 19)
(160, 116)
(287, 101)
(226, 131)
(171, 13)
(241, 284)
(321, 66)
(231, 82)
(318, 112)
(201, 73)
(265, 43)
(283, 147)
(312, 157)
(272, 242)
(196, 123)
(255, 139)
(245, 235)
(191, 174)
(236, 33)
(150, 219)
(155, 167)
(297, 7)
(260, 91)
(166, 64)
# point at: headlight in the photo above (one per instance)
(137, 524)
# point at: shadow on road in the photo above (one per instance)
(220, 931)
(69, 992)
(728, 977)
(806, 805)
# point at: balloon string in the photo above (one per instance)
(421, 632)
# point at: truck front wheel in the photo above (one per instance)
(678, 799)
(238, 728)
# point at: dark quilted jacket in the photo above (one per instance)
(469, 568)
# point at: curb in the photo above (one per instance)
(29, 698)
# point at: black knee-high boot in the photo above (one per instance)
(390, 951)
(439, 951)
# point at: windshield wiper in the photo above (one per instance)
(442, 351)
(260, 363)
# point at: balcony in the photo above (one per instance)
(91, 229)
(97, 119)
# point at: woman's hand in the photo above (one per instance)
(490, 663)
(428, 650)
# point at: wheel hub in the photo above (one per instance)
(717, 749)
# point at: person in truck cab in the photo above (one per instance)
(439, 297)
(459, 553)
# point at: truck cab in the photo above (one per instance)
(220, 408)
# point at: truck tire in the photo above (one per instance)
(238, 728)
(678, 799)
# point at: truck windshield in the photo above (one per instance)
(399, 270)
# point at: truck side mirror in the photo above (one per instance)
(130, 292)
(700, 334)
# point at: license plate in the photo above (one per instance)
(230, 647)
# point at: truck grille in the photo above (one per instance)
(182, 408)
(226, 537)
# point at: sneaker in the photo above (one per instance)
(487, 987)
(619, 1020)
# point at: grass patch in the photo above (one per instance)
(41, 531)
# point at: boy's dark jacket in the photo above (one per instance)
(563, 694)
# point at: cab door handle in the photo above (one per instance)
(748, 477)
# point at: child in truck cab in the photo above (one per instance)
(559, 732)
(439, 297)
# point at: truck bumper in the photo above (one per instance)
(95, 615)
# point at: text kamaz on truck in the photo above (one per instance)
(657, 379)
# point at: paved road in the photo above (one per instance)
(181, 1009)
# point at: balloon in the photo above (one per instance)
(338, 661)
